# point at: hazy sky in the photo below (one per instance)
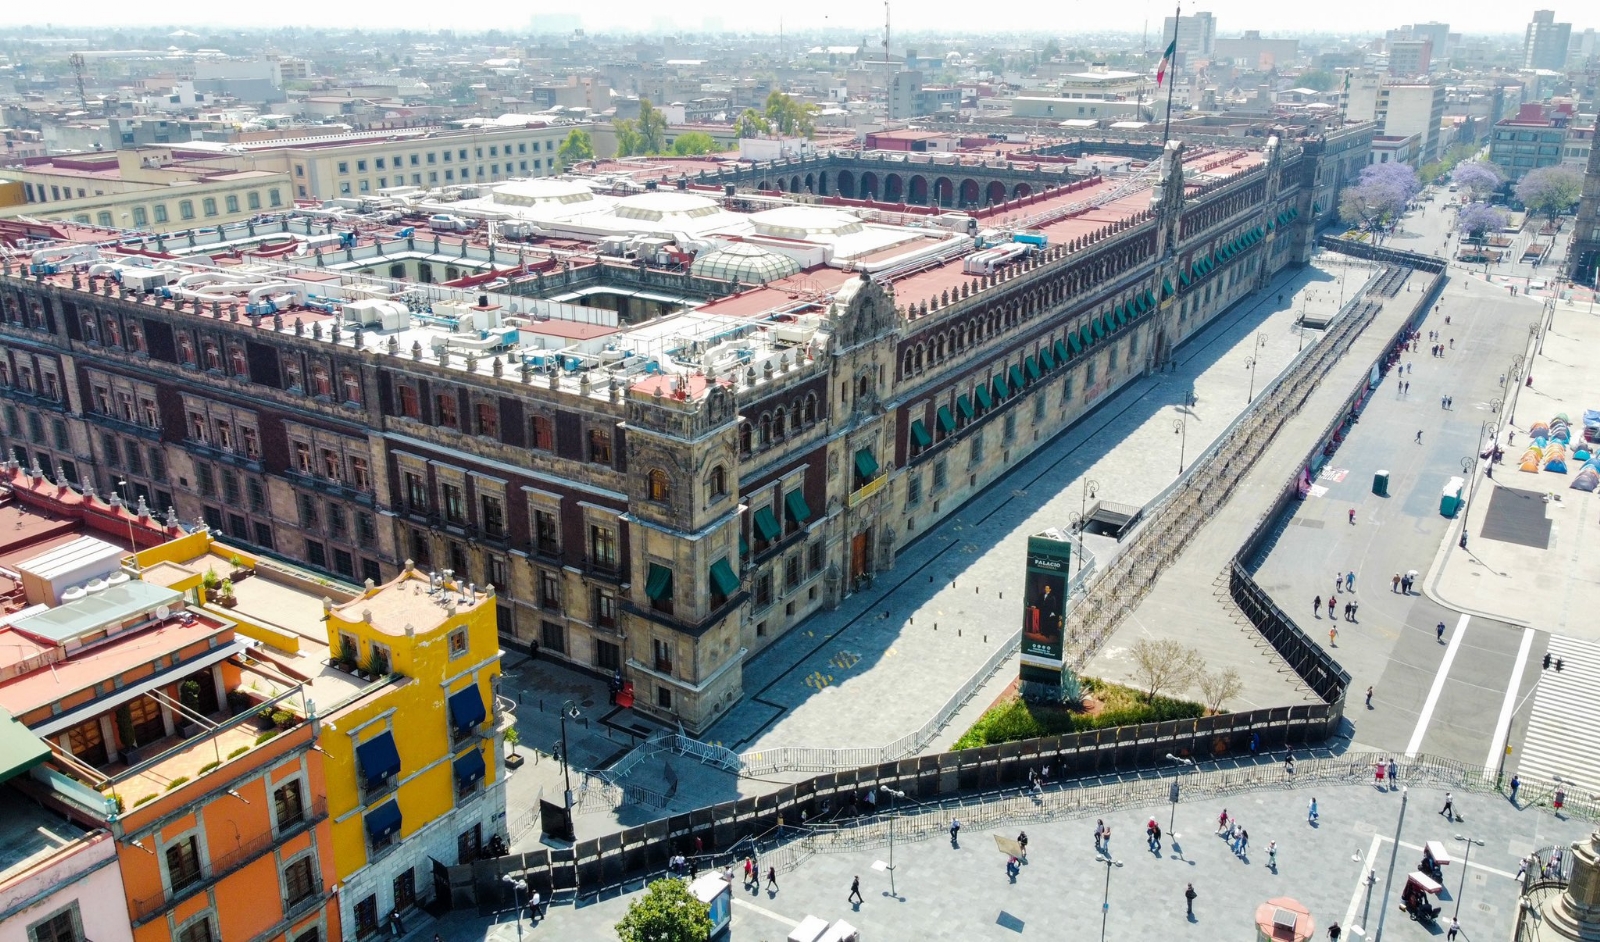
(957, 16)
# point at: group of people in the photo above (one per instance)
(1385, 767)
(1234, 833)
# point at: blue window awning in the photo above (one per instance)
(384, 820)
(379, 759)
(466, 707)
(469, 767)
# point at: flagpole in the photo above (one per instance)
(1177, 21)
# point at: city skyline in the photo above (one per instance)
(635, 16)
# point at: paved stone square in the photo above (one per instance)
(947, 892)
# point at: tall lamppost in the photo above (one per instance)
(1469, 841)
(1180, 428)
(569, 710)
(1394, 852)
(1090, 488)
(1469, 467)
(896, 794)
(517, 886)
(1261, 341)
(1172, 795)
(1105, 902)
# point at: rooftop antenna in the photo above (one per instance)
(76, 61)
(888, 85)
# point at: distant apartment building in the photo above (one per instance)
(1583, 258)
(1393, 149)
(1196, 34)
(1251, 51)
(1409, 58)
(1536, 136)
(1401, 110)
(1545, 44)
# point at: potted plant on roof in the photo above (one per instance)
(189, 698)
(241, 569)
(209, 582)
(225, 596)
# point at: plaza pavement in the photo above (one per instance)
(962, 892)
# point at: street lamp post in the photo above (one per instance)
(1105, 902)
(896, 794)
(1172, 820)
(569, 709)
(1469, 840)
(1180, 428)
(1394, 852)
(1090, 488)
(517, 886)
(1469, 467)
(1261, 341)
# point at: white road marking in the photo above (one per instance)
(785, 920)
(1502, 726)
(1361, 881)
(1415, 746)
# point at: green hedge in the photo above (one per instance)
(1015, 719)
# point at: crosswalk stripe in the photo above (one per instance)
(1563, 734)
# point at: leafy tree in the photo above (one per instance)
(791, 117)
(751, 123)
(1218, 687)
(1550, 190)
(652, 128)
(1478, 178)
(1164, 665)
(578, 146)
(666, 913)
(629, 141)
(1379, 195)
(1475, 219)
(1052, 50)
(1318, 80)
(694, 143)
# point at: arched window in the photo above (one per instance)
(213, 355)
(236, 362)
(766, 430)
(351, 385)
(660, 485)
(744, 438)
(811, 408)
(321, 383)
(919, 357)
(910, 364)
(780, 424)
(717, 484)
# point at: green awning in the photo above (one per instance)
(1183, 280)
(1087, 336)
(1111, 325)
(984, 401)
(1061, 350)
(1001, 390)
(1118, 316)
(744, 546)
(947, 420)
(659, 583)
(1047, 360)
(723, 579)
(1031, 367)
(866, 464)
(1099, 331)
(794, 504)
(1316, 207)
(965, 405)
(919, 433)
(1016, 377)
(1294, 212)
(1149, 299)
(1271, 225)
(767, 525)
(1077, 347)
(20, 750)
(1166, 288)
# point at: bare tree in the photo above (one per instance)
(1218, 687)
(1164, 665)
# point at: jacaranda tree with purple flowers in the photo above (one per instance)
(1379, 195)
(1477, 178)
(1476, 219)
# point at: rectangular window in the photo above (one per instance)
(367, 530)
(458, 642)
(542, 433)
(662, 654)
(814, 557)
(299, 882)
(913, 490)
(308, 510)
(445, 410)
(64, 926)
(549, 590)
(488, 420)
(545, 534)
(607, 656)
(492, 517)
(183, 863)
(603, 548)
(599, 446)
(232, 203)
(160, 210)
(367, 916)
(791, 572)
(205, 480)
(316, 554)
(454, 508)
(409, 406)
(605, 609)
(290, 804)
(553, 637)
(256, 494)
(416, 493)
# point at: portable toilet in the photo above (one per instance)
(1380, 484)
(1450, 500)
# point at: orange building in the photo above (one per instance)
(165, 731)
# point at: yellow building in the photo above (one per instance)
(402, 680)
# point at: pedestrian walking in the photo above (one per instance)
(1409, 365)
(1442, 401)
(1558, 799)
(1022, 842)
(955, 831)
(1311, 811)
(1244, 842)
(1288, 765)
(1272, 855)
(1408, 387)
(1158, 840)
(1333, 633)
(1355, 608)
(1394, 772)
(1369, 696)
(1188, 897)
(1013, 868)
(1105, 841)
(749, 867)
(1516, 783)
(1237, 836)
(772, 879)
(1316, 606)
(1455, 926)
(855, 892)
(1334, 932)
(1150, 835)
(1523, 869)
(1350, 581)
(1439, 631)
(1419, 436)
(1450, 402)
(1352, 516)
(1449, 809)
(1331, 603)
(1452, 343)
(1222, 822)
(1394, 583)
(1100, 831)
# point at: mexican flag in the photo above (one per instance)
(1166, 60)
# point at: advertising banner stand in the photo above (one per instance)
(1044, 618)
